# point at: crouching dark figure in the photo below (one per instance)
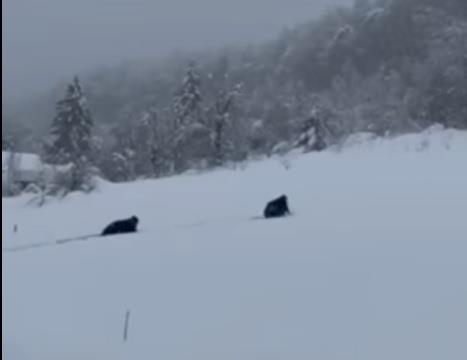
(277, 208)
(122, 226)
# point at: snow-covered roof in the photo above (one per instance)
(28, 167)
(21, 161)
(23, 167)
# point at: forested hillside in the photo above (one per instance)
(383, 66)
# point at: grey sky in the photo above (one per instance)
(46, 40)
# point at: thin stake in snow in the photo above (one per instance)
(126, 326)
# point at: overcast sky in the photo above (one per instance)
(44, 41)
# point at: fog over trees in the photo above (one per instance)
(381, 66)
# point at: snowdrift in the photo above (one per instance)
(371, 266)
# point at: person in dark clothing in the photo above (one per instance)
(122, 226)
(277, 208)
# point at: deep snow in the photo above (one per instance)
(372, 265)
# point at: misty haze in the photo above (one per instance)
(44, 42)
(235, 180)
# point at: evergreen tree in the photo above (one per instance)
(71, 133)
(187, 101)
(186, 108)
(312, 136)
(146, 148)
(71, 128)
(224, 96)
(223, 107)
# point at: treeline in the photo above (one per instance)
(383, 66)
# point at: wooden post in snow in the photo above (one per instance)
(126, 326)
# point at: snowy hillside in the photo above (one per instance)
(371, 266)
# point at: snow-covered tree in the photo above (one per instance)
(313, 132)
(186, 104)
(71, 134)
(258, 137)
(381, 66)
(225, 94)
(151, 144)
(223, 106)
(120, 168)
(189, 124)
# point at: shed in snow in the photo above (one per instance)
(21, 168)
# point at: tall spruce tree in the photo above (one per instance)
(188, 116)
(71, 133)
(223, 106)
(187, 100)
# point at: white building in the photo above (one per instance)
(22, 169)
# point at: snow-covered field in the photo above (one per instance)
(372, 266)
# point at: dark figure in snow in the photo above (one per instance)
(277, 208)
(122, 226)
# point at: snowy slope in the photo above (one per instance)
(372, 265)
